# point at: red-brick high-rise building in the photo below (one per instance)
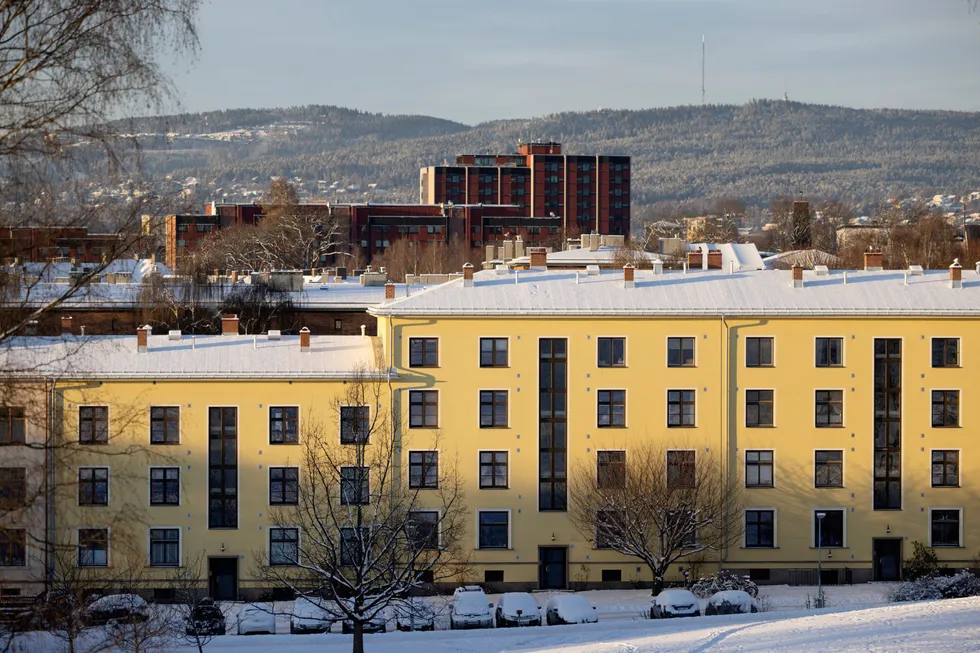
(587, 192)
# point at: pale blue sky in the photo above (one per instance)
(476, 60)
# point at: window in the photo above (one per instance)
(423, 352)
(680, 352)
(423, 469)
(612, 575)
(493, 352)
(283, 425)
(758, 408)
(93, 486)
(493, 409)
(164, 547)
(493, 469)
(828, 469)
(222, 467)
(355, 424)
(423, 529)
(945, 468)
(612, 408)
(611, 469)
(338, 325)
(759, 468)
(887, 424)
(283, 546)
(831, 530)
(760, 531)
(829, 408)
(13, 547)
(93, 547)
(93, 424)
(423, 409)
(681, 524)
(944, 527)
(494, 529)
(12, 425)
(552, 424)
(354, 486)
(830, 352)
(612, 352)
(758, 352)
(945, 352)
(680, 408)
(680, 469)
(352, 543)
(165, 486)
(13, 487)
(945, 408)
(164, 425)
(493, 576)
(607, 524)
(283, 486)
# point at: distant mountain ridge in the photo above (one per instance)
(755, 151)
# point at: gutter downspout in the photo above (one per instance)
(726, 433)
(49, 484)
(395, 431)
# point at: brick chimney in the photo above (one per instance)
(468, 275)
(66, 321)
(956, 274)
(714, 259)
(694, 259)
(142, 338)
(229, 324)
(389, 291)
(628, 272)
(873, 259)
(304, 340)
(539, 257)
(234, 276)
(797, 276)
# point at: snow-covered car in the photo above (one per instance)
(375, 624)
(117, 608)
(414, 614)
(730, 602)
(517, 609)
(674, 603)
(310, 616)
(257, 619)
(471, 609)
(205, 619)
(570, 609)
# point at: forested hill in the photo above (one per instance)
(753, 151)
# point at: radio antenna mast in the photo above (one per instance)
(702, 70)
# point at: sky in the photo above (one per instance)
(480, 60)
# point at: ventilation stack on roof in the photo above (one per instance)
(66, 322)
(389, 291)
(714, 259)
(274, 334)
(142, 338)
(468, 275)
(956, 274)
(628, 276)
(694, 259)
(234, 276)
(489, 255)
(304, 340)
(519, 247)
(508, 250)
(595, 240)
(539, 257)
(797, 276)
(229, 324)
(174, 334)
(658, 266)
(873, 259)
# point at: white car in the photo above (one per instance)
(414, 613)
(675, 603)
(730, 602)
(257, 619)
(310, 616)
(471, 609)
(570, 609)
(517, 609)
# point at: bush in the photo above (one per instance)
(922, 563)
(724, 580)
(937, 586)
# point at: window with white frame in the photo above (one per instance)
(164, 547)
(283, 546)
(93, 547)
(944, 527)
(760, 528)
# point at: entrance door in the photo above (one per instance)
(552, 567)
(887, 557)
(223, 579)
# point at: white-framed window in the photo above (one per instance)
(946, 527)
(760, 528)
(164, 547)
(283, 546)
(493, 529)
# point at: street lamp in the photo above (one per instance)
(820, 516)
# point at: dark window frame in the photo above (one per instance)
(825, 355)
(498, 470)
(92, 540)
(169, 486)
(361, 480)
(606, 354)
(606, 521)
(423, 469)
(166, 545)
(13, 425)
(759, 532)
(426, 354)
(222, 496)
(827, 535)
(681, 469)
(948, 467)
(284, 426)
(828, 473)
(90, 419)
(13, 547)
(552, 424)
(491, 357)
(947, 354)
(607, 403)
(13, 488)
(948, 405)
(284, 490)
(360, 433)
(760, 464)
(757, 357)
(418, 403)
(756, 403)
(279, 538)
(491, 400)
(610, 468)
(167, 425)
(485, 530)
(941, 523)
(677, 405)
(827, 402)
(429, 539)
(93, 490)
(676, 348)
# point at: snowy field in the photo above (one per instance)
(848, 624)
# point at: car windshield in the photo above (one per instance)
(470, 603)
(511, 603)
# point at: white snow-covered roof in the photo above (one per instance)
(744, 256)
(581, 257)
(210, 357)
(540, 292)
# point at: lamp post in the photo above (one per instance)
(820, 516)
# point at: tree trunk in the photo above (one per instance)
(658, 582)
(358, 637)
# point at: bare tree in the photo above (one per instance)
(362, 535)
(659, 505)
(192, 614)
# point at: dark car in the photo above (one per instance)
(117, 609)
(206, 619)
(376, 624)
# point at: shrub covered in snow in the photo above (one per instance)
(724, 580)
(922, 563)
(731, 602)
(929, 588)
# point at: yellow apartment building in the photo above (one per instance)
(844, 395)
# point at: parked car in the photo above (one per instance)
(517, 609)
(471, 609)
(51, 610)
(206, 619)
(257, 619)
(730, 602)
(376, 624)
(414, 614)
(570, 609)
(674, 603)
(117, 609)
(310, 616)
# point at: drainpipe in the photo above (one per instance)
(49, 484)
(726, 431)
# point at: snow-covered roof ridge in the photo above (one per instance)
(540, 292)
